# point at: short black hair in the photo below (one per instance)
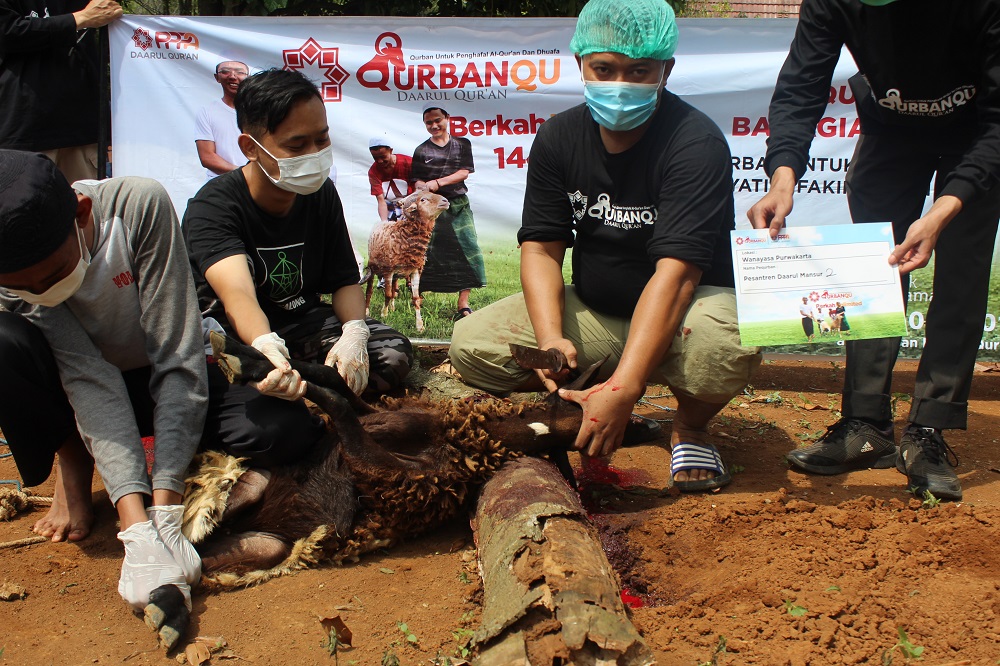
(37, 209)
(434, 108)
(225, 61)
(264, 100)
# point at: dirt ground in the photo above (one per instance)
(777, 568)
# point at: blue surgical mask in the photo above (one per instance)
(620, 105)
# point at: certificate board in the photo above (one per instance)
(816, 284)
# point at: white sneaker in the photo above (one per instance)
(168, 521)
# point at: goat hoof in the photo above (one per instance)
(167, 614)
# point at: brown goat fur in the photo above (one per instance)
(380, 474)
(399, 248)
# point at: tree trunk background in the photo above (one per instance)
(550, 594)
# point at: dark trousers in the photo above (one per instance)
(35, 416)
(888, 181)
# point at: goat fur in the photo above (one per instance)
(399, 248)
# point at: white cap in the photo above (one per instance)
(376, 141)
(433, 105)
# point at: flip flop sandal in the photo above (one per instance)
(687, 456)
(640, 430)
(461, 314)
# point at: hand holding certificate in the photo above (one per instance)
(815, 283)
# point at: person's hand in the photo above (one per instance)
(915, 250)
(97, 13)
(607, 408)
(551, 379)
(282, 382)
(770, 212)
(350, 355)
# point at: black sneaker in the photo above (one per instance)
(928, 463)
(848, 445)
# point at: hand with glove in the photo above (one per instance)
(148, 565)
(282, 382)
(350, 355)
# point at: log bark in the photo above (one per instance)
(550, 594)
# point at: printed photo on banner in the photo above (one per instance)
(817, 284)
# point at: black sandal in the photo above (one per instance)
(461, 314)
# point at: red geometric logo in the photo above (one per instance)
(324, 58)
(814, 296)
(142, 39)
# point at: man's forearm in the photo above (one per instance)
(348, 303)
(544, 290)
(211, 160)
(655, 321)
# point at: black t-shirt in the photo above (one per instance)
(293, 259)
(432, 161)
(670, 195)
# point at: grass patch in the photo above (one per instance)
(789, 331)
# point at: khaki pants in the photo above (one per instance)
(705, 360)
(76, 163)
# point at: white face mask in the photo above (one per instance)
(304, 174)
(66, 287)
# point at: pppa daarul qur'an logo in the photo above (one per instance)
(521, 67)
(327, 59)
(165, 45)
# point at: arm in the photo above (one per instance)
(171, 322)
(658, 315)
(349, 303)
(211, 159)
(545, 299)
(24, 34)
(383, 207)
(800, 97)
(436, 184)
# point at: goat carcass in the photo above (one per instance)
(380, 474)
(399, 248)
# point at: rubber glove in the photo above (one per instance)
(168, 521)
(282, 382)
(148, 565)
(350, 355)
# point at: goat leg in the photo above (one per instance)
(247, 491)
(243, 364)
(167, 615)
(240, 553)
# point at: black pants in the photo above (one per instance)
(35, 416)
(887, 182)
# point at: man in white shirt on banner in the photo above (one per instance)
(216, 131)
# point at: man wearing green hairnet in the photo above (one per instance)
(639, 183)
(928, 98)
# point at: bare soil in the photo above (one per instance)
(780, 567)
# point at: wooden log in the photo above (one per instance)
(550, 594)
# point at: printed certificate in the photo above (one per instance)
(817, 284)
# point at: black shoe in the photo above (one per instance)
(848, 445)
(926, 460)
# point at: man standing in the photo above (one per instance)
(389, 177)
(926, 112)
(216, 131)
(49, 79)
(807, 313)
(639, 184)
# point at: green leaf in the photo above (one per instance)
(833, 588)
(387, 571)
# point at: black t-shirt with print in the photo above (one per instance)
(293, 259)
(670, 195)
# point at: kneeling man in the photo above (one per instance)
(639, 184)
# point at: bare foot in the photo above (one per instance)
(72, 512)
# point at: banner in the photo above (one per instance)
(499, 79)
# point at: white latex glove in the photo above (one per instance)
(148, 565)
(168, 521)
(350, 355)
(282, 382)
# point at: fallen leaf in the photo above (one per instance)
(387, 570)
(339, 627)
(197, 653)
(810, 406)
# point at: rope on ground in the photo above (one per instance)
(13, 502)
(3, 442)
(23, 542)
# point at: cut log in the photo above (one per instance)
(550, 594)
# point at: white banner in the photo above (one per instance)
(498, 78)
